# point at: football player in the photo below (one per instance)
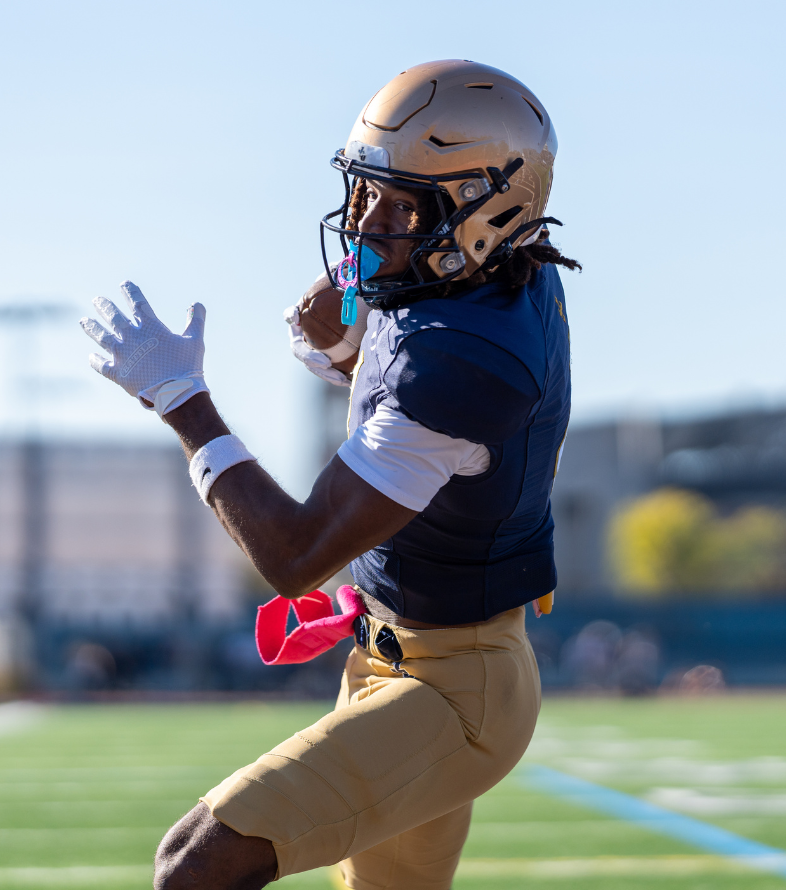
(439, 499)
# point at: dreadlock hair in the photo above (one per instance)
(524, 262)
(358, 204)
(513, 274)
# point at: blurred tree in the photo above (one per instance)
(750, 550)
(658, 541)
(672, 540)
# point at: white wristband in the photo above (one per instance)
(213, 459)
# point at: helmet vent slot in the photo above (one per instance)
(479, 86)
(537, 112)
(440, 144)
(502, 219)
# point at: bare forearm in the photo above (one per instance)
(294, 546)
(197, 422)
(245, 498)
(278, 534)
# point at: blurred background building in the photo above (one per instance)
(115, 576)
(100, 534)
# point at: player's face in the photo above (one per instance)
(389, 211)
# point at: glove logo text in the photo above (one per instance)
(138, 355)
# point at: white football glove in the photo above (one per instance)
(147, 359)
(316, 362)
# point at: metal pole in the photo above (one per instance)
(33, 512)
(34, 506)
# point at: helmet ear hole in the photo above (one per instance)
(502, 219)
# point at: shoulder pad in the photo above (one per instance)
(461, 384)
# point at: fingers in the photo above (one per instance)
(295, 334)
(100, 363)
(98, 333)
(304, 352)
(331, 375)
(136, 300)
(292, 315)
(111, 315)
(196, 322)
(317, 362)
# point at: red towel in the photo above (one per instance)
(319, 629)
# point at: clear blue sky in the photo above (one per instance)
(186, 146)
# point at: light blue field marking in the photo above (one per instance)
(654, 818)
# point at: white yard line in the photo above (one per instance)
(75, 876)
(557, 869)
(603, 753)
(712, 803)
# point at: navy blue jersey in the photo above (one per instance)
(491, 366)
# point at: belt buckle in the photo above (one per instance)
(385, 642)
(388, 645)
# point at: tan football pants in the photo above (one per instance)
(384, 784)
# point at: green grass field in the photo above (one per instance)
(87, 791)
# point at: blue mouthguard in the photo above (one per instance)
(369, 265)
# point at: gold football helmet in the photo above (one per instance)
(475, 138)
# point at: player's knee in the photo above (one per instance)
(168, 874)
(200, 853)
(173, 855)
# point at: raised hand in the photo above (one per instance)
(160, 369)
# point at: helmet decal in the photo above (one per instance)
(373, 154)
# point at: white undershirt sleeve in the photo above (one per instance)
(406, 461)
